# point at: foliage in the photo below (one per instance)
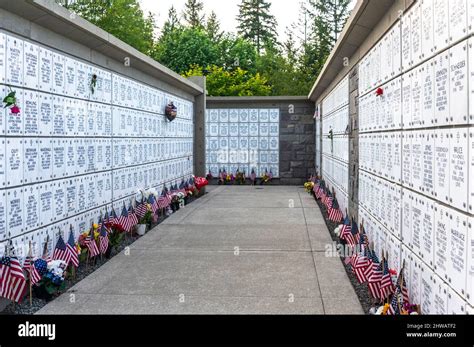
(184, 47)
(115, 237)
(147, 217)
(252, 63)
(256, 24)
(121, 18)
(238, 82)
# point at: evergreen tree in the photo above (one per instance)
(256, 23)
(192, 13)
(213, 27)
(330, 15)
(172, 22)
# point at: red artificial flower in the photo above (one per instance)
(15, 109)
(379, 92)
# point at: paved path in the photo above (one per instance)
(237, 250)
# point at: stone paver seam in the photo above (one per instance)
(312, 255)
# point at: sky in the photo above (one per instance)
(286, 12)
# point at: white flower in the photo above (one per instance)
(57, 267)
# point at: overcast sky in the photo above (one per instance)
(285, 11)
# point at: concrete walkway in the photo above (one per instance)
(238, 250)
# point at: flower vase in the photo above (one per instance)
(141, 229)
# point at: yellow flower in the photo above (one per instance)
(96, 234)
(95, 225)
(385, 309)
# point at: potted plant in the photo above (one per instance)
(145, 221)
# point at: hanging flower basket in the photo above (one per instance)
(171, 111)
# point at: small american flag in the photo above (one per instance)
(360, 264)
(182, 188)
(132, 216)
(73, 257)
(374, 282)
(394, 309)
(153, 203)
(103, 239)
(403, 287)
(386, 284)
(163, 200)
(12, 280)
(123, 221)
(346, 234)
(355, 232)
(373, 263)
(140, 209)
(91, 244)
(30, 268)
(60, 252)
(113, 220)
(253, 175)
(335, 213)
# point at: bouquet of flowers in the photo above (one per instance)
(240, 177)
(266, 177)
(308, 186)
(53, 279)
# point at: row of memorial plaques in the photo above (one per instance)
(435, 93)
(216, 144)
(433, 162)
(382, 199)
(127, 122)
(337, 122)
(126, 181)
(26, 64)
(337, 147)
(128, 152)
(429, 27)
(242, 156)
(46, 115)
(436, 163)
(337, 98)
(243, 115)
(336, 171)
(380, 153)
(31, 160)
(259, 169)
(29, 207)
(242, 129)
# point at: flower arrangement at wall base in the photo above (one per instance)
(11, 102)
(240, 177)
(266, 177)
(52, 281)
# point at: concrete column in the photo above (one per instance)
(200, 128)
